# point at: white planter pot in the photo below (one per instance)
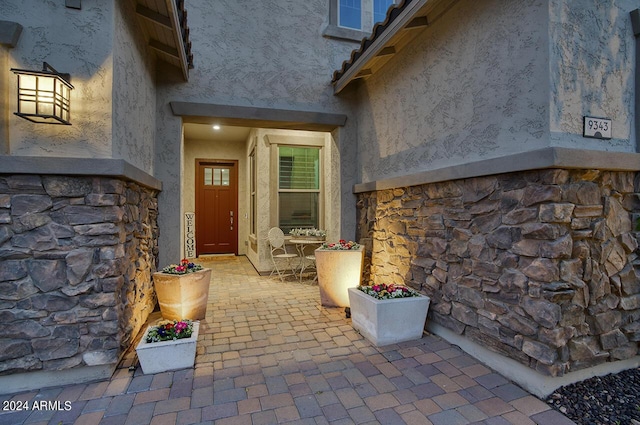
(183, 296)
(338, 270)
(385, 322)
(156, 357)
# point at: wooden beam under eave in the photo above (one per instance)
(153, 16)
(364, 73)
(417, 23)
(181, 53)
(387, 51)
(171, 51)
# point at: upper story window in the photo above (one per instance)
(354, 19)
(380, 8)
(350, 14)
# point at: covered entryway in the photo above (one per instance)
(240, 182)
(259, 156)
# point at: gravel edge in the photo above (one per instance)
(609, 399)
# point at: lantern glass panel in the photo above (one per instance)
(43, 96)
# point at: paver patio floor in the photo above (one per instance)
(269, 353)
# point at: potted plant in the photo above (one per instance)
(388, 314)
(183, 290)
(339, 267)
(308, 233)
(170, 345)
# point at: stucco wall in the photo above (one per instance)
(134, 92)
(591, 71)
(268, 54)
(499, 77)
(75, 41)
(473, 85)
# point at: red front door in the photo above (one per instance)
(216, 207)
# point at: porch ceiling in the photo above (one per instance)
(403, 23)
(226, 134)
(246, 116)
(164, 23)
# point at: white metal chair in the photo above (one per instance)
(279, 251)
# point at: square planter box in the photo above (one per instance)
(156, 357)
(385, 322)
(183, 296)
(337, 271)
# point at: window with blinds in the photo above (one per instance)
(299, 168)
(298, 187)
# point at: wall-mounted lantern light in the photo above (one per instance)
(43, 96)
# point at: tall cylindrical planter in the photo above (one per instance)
(183, 296)
(338, 270)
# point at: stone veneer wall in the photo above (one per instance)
(541, 266)
(76, 257)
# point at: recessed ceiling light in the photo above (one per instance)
(216, 127)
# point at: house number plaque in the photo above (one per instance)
(597, 128)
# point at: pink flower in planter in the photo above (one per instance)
(341, 245)
(177, 329)
(383, 291)
(184, 267)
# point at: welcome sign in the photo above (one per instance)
(189, 235)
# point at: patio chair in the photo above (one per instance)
(279, 251)
(312, 259)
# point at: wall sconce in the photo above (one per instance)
(43, 96)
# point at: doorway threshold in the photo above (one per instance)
(206, 256)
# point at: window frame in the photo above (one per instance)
(373, 12)
(320, 177)
(339, 8)
(334, 30)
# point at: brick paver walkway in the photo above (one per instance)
(268, 353)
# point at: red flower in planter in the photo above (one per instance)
(342, 245)
(184, 267)
(383, 291)
(170, 331)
